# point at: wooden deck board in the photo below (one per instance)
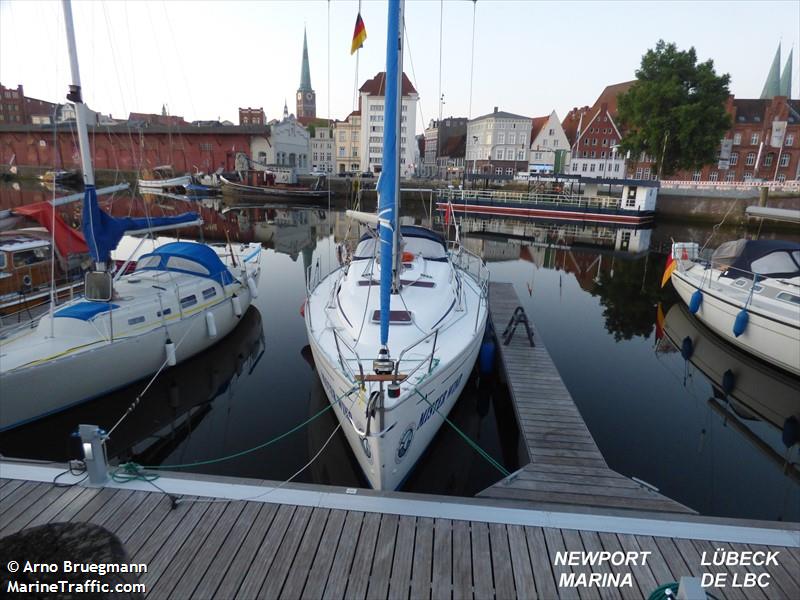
(554, 432)
(225, 549)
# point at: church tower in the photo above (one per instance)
(306, 98)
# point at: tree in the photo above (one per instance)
(675, 111)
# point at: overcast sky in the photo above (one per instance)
(204, 59)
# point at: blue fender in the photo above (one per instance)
(695, 301)
(687, 348)
(740, 324)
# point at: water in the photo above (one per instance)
(592, 293)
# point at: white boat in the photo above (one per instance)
(180, 300)
(395, 330)
(162, 179)
(748, 293)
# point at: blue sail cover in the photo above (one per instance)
(206, 262)
(388, 181)
(103, 232)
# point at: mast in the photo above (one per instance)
(390, 175)
(75, 96)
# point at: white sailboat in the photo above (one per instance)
(181, 298)
(395, 330)
(748, 293)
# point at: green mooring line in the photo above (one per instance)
(467, 439)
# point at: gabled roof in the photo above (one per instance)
(499, 114)
(750, 110)
(609, 96)
(377, 85)
(536, 126)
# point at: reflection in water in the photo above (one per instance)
(745, 391)
(591, 291)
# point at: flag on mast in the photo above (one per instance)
(359, 35)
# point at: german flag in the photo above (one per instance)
(671, 264)
(359, 35)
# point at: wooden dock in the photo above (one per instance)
(247, 539)
(566, 466)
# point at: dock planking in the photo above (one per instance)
(209, 547)
(566, 466)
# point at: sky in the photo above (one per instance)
(204, 59)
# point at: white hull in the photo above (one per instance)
(774, 341)
(385, 463)
(89, 355)
(162, 184)
(56, 385)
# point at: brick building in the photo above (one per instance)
(118, 148)
(16, 109)
(252, 116)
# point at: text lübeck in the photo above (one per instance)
(735, 558)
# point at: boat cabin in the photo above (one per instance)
(24, 264)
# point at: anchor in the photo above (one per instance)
(517, 317)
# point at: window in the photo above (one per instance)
(605, 142)
(544, 143)
(768, 159)
(498, 171)
(754, 139)
(774, 263)
(594, 141)
(737, 139)
(750, 159)
(785, 158)
(781, 178)
(25, 258)
(734, 158)
(499, 154)
(647, 173)
(747, 175)
(509, 171)
(696, 176)
(521, 155)
(188, 301)
(713, 176)
(555, 143)
(574, 167)
(591, 168)
(789, 141)
(512, 138)
(583, 167)
(600, 167)
(730, 176)
(135, 320)
(638, 174)
(552, 132)
(501, 138)
(246, 120)
(209, 293)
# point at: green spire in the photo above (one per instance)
(772, 86)
(786, 77)
(305, 71)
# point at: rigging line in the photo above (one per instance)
(441, 21)
(472, 57)
(413, 74)
(330, 129)
(178, 56)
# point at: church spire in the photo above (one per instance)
(772, 86)
(305, 70)
(285, 110)
(786, 77)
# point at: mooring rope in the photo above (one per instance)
(467, 439)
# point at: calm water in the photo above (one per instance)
(593, 294)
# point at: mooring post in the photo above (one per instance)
(94, 453)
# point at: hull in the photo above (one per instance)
(34, 392)
(281, 192)
(388, 460)
(769, 339)
(162, 184)
(546, 211)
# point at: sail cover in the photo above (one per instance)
(68, 240)
(103, 232)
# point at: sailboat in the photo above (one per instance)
(179, 300)
(396, 329)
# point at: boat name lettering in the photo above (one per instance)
(735, 558)
(433, 407)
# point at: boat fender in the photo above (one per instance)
(740, 324)
(791, 432)
(169, 347)
(695, 301)
(687, 348)
(237, 305)
(211, 325)
(393, 390)
(251, 284)
(728, 382)
(486, 357)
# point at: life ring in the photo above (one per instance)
(408, 257)
(27, 281)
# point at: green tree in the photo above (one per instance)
(675, 111)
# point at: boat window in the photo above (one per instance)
(758, 288)
(98, 286)
(2, 261)
(209, 293)
(787, 297)
(188, 301)
(184, 264)
(148, 262)
(135, 320)
(398, 317)
(740, 282)
(167, 311)
(25, 258)
(774, 262)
